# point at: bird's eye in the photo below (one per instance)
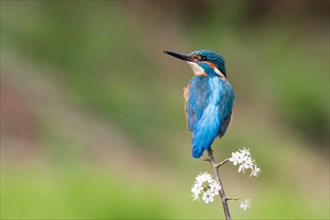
(203, 58)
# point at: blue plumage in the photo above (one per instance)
(209, 98)
(209, 108)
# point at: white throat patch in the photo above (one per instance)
(196, 68)
(199, 71)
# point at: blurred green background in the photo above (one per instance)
(92, 120)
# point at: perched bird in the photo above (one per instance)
(209, 98)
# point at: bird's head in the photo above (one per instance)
(202, 62)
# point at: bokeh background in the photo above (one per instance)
(92, 120)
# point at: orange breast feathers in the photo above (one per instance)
(185, 96)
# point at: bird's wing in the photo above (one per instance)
(225, 108)
(212, 116)
(196, 95)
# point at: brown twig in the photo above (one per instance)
(222, 163)
(222, 192)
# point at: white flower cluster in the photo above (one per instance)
(245, 204)
(245, 161)
(206, 185)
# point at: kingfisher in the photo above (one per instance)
(209, 98)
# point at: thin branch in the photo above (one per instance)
(222, 163)
(222, 192)
(233, 198)
(207, 159)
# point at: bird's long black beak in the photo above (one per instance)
(182, 56)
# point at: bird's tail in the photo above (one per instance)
(197, 151)
(202, 140)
